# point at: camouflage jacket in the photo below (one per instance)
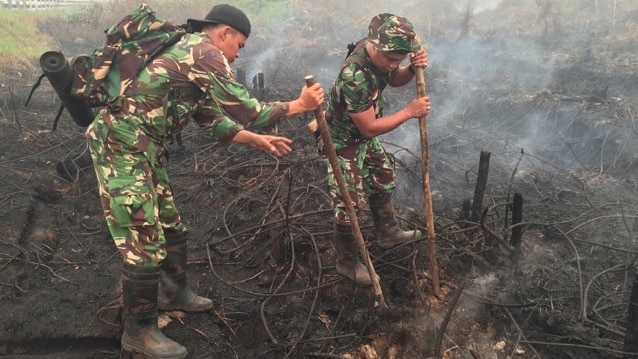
(204, 88)
(357, 87)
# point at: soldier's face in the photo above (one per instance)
(232, 41)
(386, 61)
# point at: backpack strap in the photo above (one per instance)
(363, 61)
(35, 86)
(60, 110)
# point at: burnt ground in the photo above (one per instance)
(260, 226)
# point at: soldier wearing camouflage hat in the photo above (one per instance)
(355, 117)
(128, 144)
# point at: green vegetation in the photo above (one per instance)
(20, 40)
(26, 34)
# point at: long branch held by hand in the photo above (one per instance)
(425, 177)
(332, 158)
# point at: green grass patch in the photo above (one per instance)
(21, 43)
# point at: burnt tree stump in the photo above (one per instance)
(631, 332)
(241, 77)
(479, 190)
(517, 217)
(259, 89)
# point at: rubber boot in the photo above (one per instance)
(141, 333)
(388, 232)
(174, 293)
(348, 263)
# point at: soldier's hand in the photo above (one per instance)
(419, 58)
(419, 107)
(311, 97)
(277, 145)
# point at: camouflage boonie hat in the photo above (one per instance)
(388, 32)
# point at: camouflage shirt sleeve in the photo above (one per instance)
(211, 72)
(211, 118)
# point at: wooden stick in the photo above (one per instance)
(425, 177)
(332, 158)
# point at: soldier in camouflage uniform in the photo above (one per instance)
(128, 143)
(355, 118)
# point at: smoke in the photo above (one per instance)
(264, 60)
(506, 77)
(484, 5)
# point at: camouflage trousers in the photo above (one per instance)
(367, 170)
(135, 194)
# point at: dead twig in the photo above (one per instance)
(582, 346)
(281, 284)
(441, 332)
(519, 336)
(314, 301)
(324, 355)
(583, 309)
(495, 235)
(585, 295)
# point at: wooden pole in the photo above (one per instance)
(356, 230)
(425, 177)
(479, 190)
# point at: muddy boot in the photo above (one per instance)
(348, 263)
(141, 333)
(388, 233)
(174, 293)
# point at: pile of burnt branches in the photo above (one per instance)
(562, 275)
